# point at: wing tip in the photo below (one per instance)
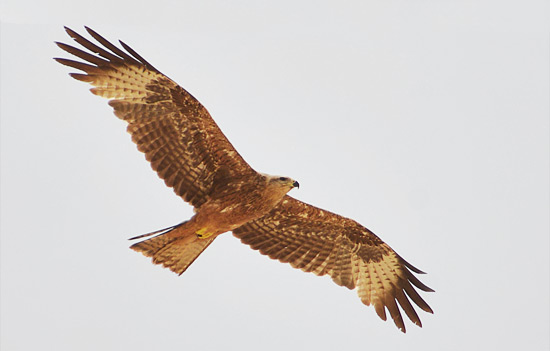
(90, 31)
(81, 77)
(71, 32)
(410, 266)
(60, 45)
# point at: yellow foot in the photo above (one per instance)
(203, 233)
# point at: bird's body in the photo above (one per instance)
(221, 213)
(216, 216)
(188, 150)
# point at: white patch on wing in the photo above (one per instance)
(228, 208)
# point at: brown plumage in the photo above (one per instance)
(188, 150)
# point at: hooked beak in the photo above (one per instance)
(295, 184)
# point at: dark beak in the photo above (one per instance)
(296, 184)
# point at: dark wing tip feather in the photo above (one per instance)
(137, 56)
(68, 30)
(395, 314)
(417, 299)
(82, 54)
(92, 47)
(82, 77)
(416, 282)
(71, 32)
(111, 47)
(380, 310)
(78, 65)
(134, 57)
(407, 307)
(410, 266)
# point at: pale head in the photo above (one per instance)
(281, 182)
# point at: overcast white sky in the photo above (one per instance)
(426, 121)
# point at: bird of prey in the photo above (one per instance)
(191, 154)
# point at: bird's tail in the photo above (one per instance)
(174, 247)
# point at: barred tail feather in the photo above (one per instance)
(176, 253)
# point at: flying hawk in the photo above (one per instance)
(192, 155)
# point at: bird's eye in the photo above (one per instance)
(283, 178)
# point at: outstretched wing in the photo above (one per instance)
(322, 242)
(180, 139)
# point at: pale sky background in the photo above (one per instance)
(426, 121)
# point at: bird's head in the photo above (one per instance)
(283, 182)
